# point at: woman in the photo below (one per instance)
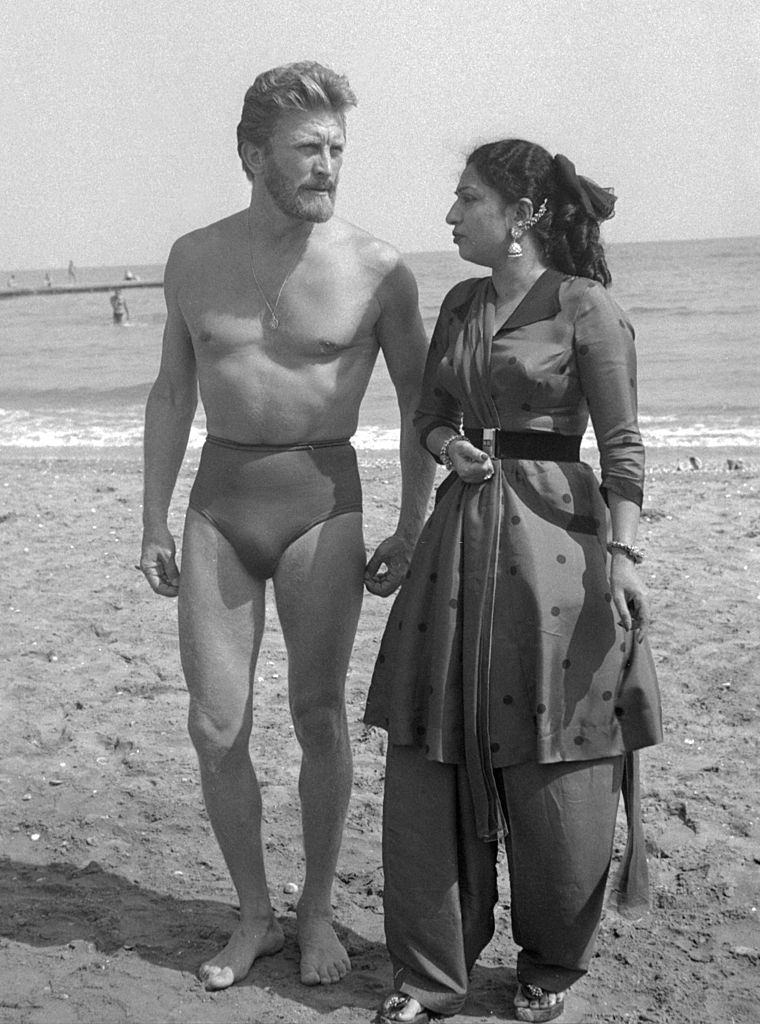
(514, 677)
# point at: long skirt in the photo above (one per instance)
(440, 878)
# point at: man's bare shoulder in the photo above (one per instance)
(197, 256)
(375, 255)
(208, 239)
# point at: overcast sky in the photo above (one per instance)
(118, 119)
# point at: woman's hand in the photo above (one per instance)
(629, 595)
(471, 464)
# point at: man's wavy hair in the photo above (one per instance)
(304, 85)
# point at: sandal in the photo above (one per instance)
(534, 994)
(396, 1002)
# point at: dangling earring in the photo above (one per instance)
(514, 249)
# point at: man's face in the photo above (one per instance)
(302, 163)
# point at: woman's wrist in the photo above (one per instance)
(443, 455)
(629, 551)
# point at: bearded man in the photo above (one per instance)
(277, 314)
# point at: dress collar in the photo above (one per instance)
(541, 302)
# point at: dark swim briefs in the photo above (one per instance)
(261, 498)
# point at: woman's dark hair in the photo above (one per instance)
(567, 234)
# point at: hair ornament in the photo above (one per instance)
(598, 202)
(526, 225)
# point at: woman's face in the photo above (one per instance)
(481, 221)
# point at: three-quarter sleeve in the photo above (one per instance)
(438, 407)
(606, 360)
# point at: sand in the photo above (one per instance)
(112, 887)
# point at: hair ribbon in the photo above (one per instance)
(598, 202)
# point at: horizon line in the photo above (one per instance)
(405, 252)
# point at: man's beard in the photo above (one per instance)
(303, 203)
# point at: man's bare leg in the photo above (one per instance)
(221, 620)
(318, 587)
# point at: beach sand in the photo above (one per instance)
(112, 887)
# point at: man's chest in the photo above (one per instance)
(310, 317)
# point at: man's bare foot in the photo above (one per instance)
(323, 959)
(247, 943)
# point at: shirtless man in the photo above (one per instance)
(278, 313)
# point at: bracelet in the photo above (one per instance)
(443, 455)
(636, 555)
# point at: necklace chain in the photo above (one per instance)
(274, 320)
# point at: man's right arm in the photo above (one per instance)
(401, 336)
(168, 417)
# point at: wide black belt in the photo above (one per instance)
(507, 444)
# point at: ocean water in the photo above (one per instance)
(70, 378)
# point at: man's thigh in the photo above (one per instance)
(318, 589)
(221, 618)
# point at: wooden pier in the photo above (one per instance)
(71, 289)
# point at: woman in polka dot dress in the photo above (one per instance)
(514, 677)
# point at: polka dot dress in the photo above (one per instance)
(503, 645)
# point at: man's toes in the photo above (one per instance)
(215, 978)
(310, 975)
(324, 975)
(338, 970)
(335, 972)
(329, 974)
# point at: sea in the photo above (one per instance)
(70, 378)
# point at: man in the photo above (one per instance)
(278, 313)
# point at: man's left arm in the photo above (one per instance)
(401, 336)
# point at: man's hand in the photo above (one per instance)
(158, 564)
(395, 554)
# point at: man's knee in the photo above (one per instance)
(320, 728)
(219, 740)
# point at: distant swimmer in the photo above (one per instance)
(12, 282)
(48, 281)
(129, 276)
(72, 271)
(120, 309)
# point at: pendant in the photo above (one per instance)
(274, 323)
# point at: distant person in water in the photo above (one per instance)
(48, 281)
(72, 271)
(129, 276)
(12, 282)
(119, 307)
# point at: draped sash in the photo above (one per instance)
(481, 526)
